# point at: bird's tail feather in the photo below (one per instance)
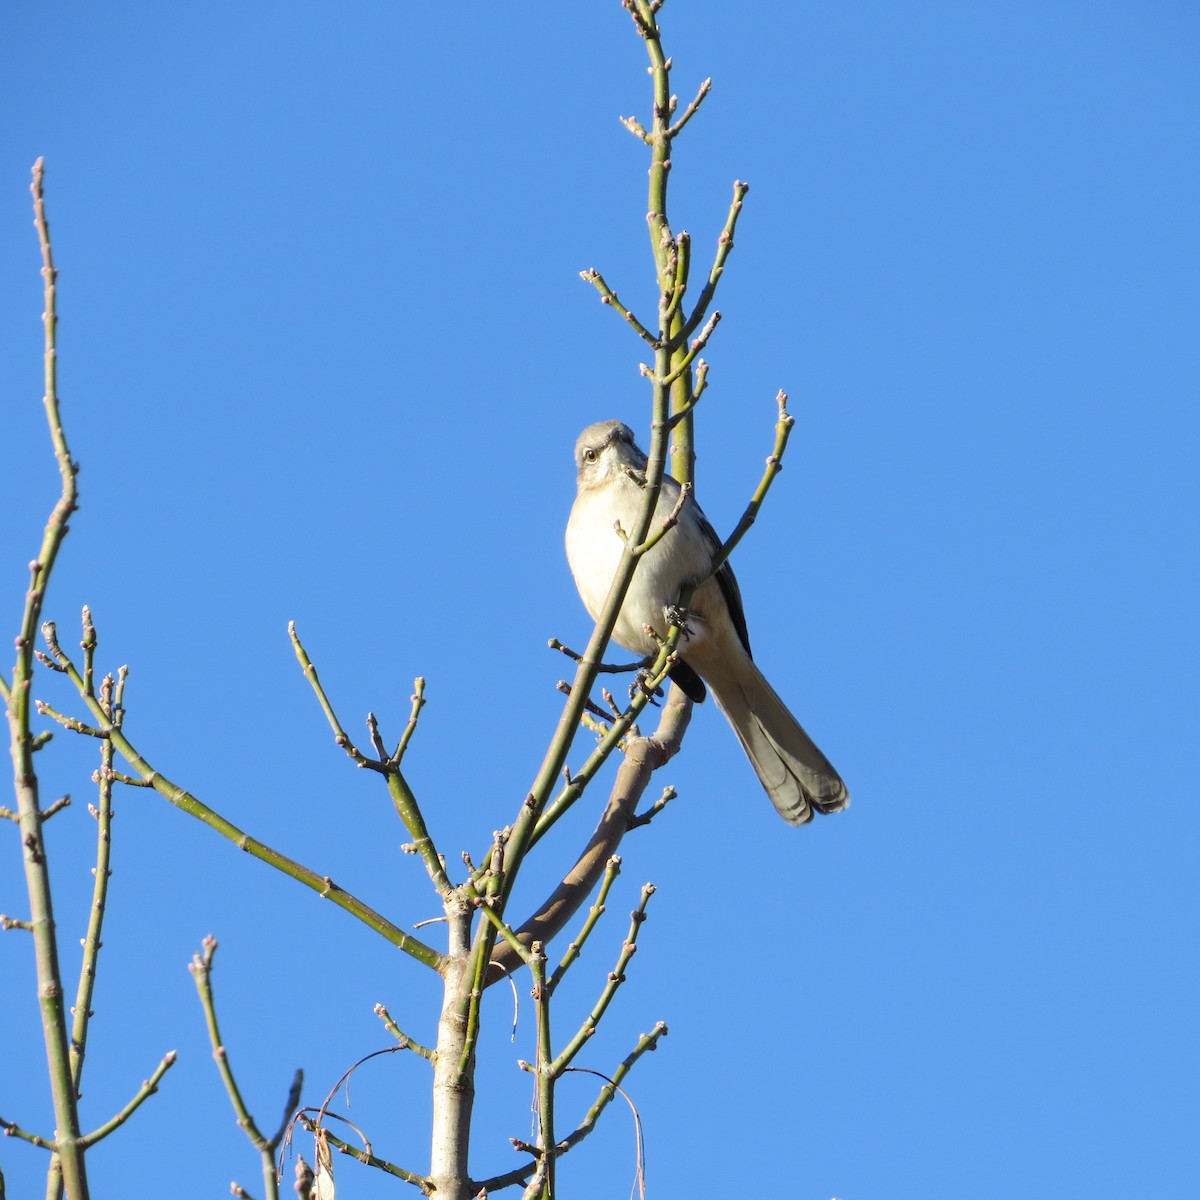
(796, 775)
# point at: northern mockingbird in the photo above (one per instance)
(714, 645)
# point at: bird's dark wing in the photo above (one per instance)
(727, 581)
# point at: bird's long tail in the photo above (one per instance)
(796, 775)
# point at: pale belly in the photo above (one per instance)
(594, 552)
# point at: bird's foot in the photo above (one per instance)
(677, 617)
(641, 684)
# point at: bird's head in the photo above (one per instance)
(605, 450)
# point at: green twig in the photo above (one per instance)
(615, 979)
(497, 923)
(402, 795)
(418, 703)
(538, 812)
(21, 741)
(671, 301)
(406, 1042)
(609, 297)
(129, 780)
(590, 708)
(681, 362)
(657, 674)
(148, 1088)
(190, 804)
(724, 246)
(340, 736)
(376, 739)
(699, 383)
(635, 127)
(201, 968)
(102, 873)
(316, 1125)
(12, 1129)
(89, 650)
(611, 871)
(472, 1002)
(543, 1070)
(366, 1156)
(644, 818)
(601, 668)
(647, 1042)
(57, 807)
(774, 464)
(691, 110)
(68, 722)
(668, 522)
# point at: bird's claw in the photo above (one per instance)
(677, 617)
(641, 683)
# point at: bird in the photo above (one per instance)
(714, 648)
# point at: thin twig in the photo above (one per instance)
(92, 942)
(691, 110)
(406, 1042)
(601, 668)
(69, 1162)
(403, 799)
(609, 297)
(680, 364)
(418, 703)
(644, 818)
(340, 736)
(497, 922)
(373, 732)
(671, 301)
(774, 464)
(646, 1043)
(366, 1156)
(68, 722)
(611, 871)
(185, 800)
(201, 968)
(724, 246)
(148, 1088)
(12, 1129)
(590, 706)
(668, 522)
(543, 1070)
(57, 807)
(616, 977)
(699, 383)
(657, 675)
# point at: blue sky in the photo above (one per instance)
(325, 353)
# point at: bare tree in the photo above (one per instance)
(486, 940)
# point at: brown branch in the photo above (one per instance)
(643, 756)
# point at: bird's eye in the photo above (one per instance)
(590, 455)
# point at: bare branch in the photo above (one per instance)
(643, 756)
(367, 1157)
(724, 246)
(609, 297)
(406, 1042)
(148, 1088)
(691, 110)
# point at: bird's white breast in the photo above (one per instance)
(594, 551)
